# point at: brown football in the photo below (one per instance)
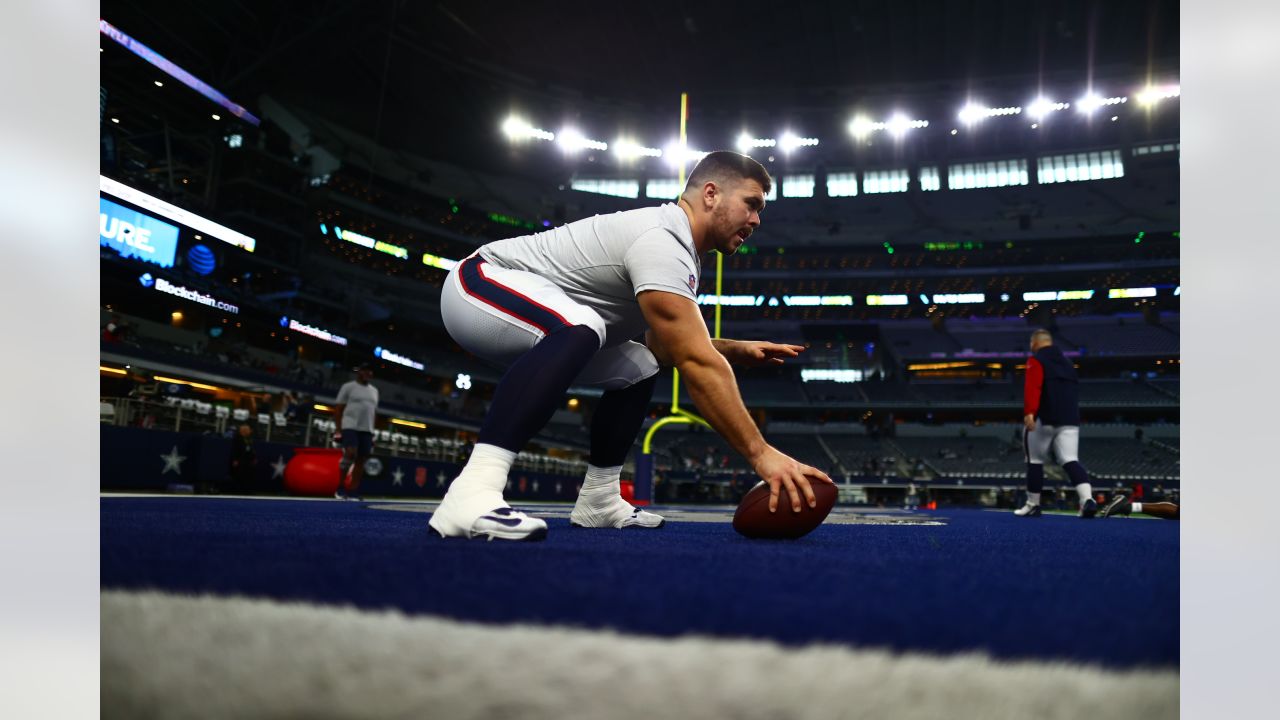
(754, 520)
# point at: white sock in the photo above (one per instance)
(1085, 491)
(601, 485)
(486, 470)
(1033, 498)
(1135, 507)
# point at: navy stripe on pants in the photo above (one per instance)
(519, 306)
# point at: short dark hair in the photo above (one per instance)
(724, 165)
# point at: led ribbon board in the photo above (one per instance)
(389, 356)
(736, 300)
(1049, 295)
(156, 206)
(314, 332)
(958, 298)
(195, 296)
(175, 72)
(812, 300)
(840, 376)
(366, 241)
(886, 299)
(436, 261)
(135, 235)
(1118, 293)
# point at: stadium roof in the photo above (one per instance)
(436, 78)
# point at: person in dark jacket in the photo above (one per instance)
(243, 460)
(1051, 420)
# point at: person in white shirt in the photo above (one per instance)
(354, 414)
(569, 306)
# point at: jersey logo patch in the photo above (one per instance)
(693, 283)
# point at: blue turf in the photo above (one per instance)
(1057, 587)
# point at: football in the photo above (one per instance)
(754, 520)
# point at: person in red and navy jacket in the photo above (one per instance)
(1051, 416)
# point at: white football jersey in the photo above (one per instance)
(604, 261)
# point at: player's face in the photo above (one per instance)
(737, 215)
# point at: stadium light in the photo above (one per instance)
(677, 154)
(1041, 106)
(973, 112)
(628, 149)
(517, 129)
(1089, 103)
(747, 142)
(861, 126)
(572, 140)
(1153, 94)
(790, 141)
(1092, 101)
(899, 124)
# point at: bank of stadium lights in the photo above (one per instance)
(1092, 101)
(897, 125)
(790, 141)
(677, 154)
(745, 142)
(974, 112)
(1153, 94)
(517, 129)
(1039, 108)
(572, 140)
(627, 149)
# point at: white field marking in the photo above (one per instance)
(709, 514)
(211, 657)
(840, 515)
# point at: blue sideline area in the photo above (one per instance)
(1103, 591)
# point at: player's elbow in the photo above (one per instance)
(698, 361)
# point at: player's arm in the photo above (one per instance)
(679, 330)
(1031, 393)
(340, 406)
(746, 353)
(755, 353)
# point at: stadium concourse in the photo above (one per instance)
(272, 217)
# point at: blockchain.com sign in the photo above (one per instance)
(135, 235)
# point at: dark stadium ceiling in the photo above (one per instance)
(437, 78)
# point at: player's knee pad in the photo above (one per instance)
(646, 365)
(631, 364)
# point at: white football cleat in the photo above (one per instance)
(1028, 510)
(618, 513)
(454, 520)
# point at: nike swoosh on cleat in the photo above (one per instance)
(509, 522)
